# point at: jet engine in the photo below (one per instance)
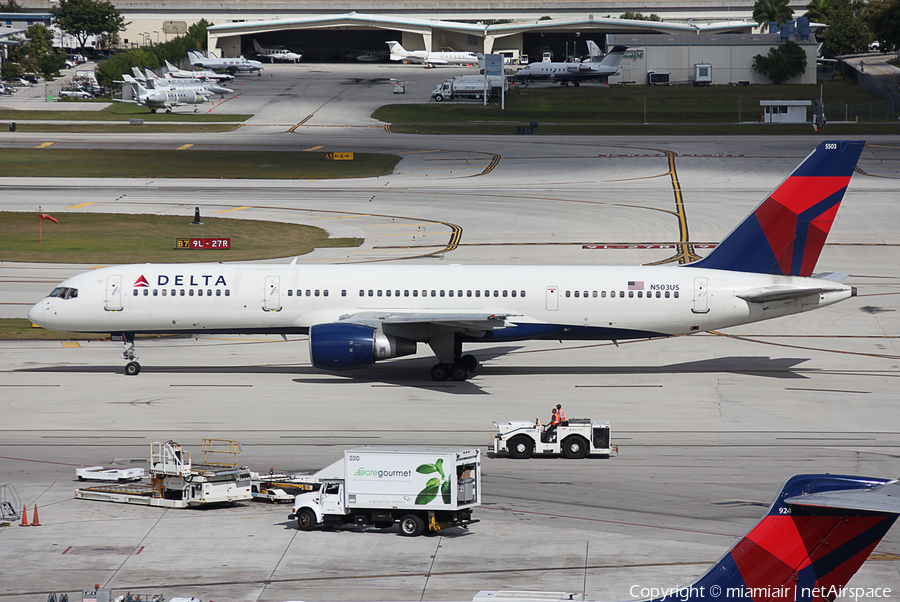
(339, 346)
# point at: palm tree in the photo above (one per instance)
(817, 11)
(772, 10)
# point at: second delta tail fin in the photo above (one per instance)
(815, 536)
(785, 234)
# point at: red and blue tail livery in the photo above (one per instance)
(815, 536)
(785, 234)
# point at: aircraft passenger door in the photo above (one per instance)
(552, 298)
(273, 294)
(701, 296)
(114, 293)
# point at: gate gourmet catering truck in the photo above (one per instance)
(418, 487)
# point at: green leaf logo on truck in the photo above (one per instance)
(434, 485)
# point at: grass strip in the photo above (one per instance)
(125, 128)
(637, 104)
(100, 238)
(126, 163)
(118, 112)
(650, 129)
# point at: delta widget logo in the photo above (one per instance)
(141, 281)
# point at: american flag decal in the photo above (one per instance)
(635, 285)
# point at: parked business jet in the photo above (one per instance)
(170, 70)
(575, 72)
(155, 82)
(279, 53)
(232, 66)
(399, 53)
(356, 315)
(161, 99)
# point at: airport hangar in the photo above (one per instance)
(333, 31)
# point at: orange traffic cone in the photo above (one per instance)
(34, 520)
(24, 516)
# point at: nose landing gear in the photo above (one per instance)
(132, 368)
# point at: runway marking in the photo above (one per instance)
(44, 145)
(400, 225)
(310, 116)
(607, 521)
(80, 205)
(232, 209)
(343, 216)
(803, 347)
(210, 385)
(312, 148)
(413, 234)
(70, 344)
(184, 147)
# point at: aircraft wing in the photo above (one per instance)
(435, 61)
(880, 498)
(766, 295)
(474, 323)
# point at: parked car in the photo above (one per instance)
(75, 94)
(31, 79)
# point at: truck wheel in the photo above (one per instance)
(575, 447)
(306, 520)
(439, 97)
(520, 447)
(411, 525)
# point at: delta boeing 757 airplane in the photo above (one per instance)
(356, 315)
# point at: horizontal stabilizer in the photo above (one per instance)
(782, 294)
(881, 498)
(831, 276)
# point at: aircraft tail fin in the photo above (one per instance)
(815, 536)
(593, 50)
(785, 234)
(150, 75)
(137, 73)
(398, 52)
(614, 58)
(257, 47)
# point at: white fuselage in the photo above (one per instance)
(554, 302)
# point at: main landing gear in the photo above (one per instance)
(132, 368)
(452, 363)
(458, 370)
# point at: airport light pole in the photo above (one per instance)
(157, 36)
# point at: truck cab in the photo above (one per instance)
(575, 438)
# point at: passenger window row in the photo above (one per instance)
(180, 291)
(311, 293)
(440, 293)
(621, 294)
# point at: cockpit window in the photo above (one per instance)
(64, 293)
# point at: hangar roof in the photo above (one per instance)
(607, 24)
(719, 39)
(342, 20)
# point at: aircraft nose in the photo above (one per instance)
(36, 313)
